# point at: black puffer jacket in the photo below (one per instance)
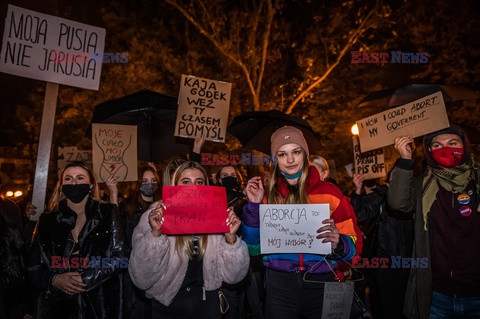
(102, 237)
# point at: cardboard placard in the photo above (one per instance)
(417, 118)
(292, 228)
(71, 153)
(337, 300)
(194, 210)
(53, 49)
(114, 151)
(371, 164)
(203, 106)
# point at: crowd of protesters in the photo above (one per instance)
(89, 257)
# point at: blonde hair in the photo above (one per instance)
(184, 243)
(322, 164)
(297, 194)
(58, 195)
(170, 169)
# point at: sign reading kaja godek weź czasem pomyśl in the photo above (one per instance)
(292, 228)
(52, 49)
(416, 118)
(203, 106)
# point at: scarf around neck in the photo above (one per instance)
(452, 179)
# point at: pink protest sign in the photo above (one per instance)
(194, 210)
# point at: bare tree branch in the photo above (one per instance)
(224, 50)
(351, 41)
(265, 42)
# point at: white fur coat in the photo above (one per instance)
(156, 267)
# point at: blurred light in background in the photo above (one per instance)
(354, 129)
(14, 194)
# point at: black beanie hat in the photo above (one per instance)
(453, 129)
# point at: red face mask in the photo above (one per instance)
(448, 157)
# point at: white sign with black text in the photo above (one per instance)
(52, 49)
(292, 228)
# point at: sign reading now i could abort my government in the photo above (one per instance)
(416, 118)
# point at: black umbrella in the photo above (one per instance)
(254, 129)
(456, 98)
(154, 114)
(398, 96)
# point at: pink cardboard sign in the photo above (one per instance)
(194, 210)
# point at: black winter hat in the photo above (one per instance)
(453, 129)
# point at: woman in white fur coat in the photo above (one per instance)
(183, 273)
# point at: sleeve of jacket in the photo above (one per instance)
(346, 223)
(234, 260)
(117, 253)
(400, 194)
(251, 227)
(38, 269)
(148, 260)
(366, 207)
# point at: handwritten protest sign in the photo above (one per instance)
(337, 300)
(371, 164)
(53, 49)
(417, 118)
(114, 150)
(288, 228)
(70, 154)
(194, 210)
(203, 108)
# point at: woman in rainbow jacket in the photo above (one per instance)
(295, 282)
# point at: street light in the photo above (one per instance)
(354, 129)
(14, 194)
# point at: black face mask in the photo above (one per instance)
(75, 193)
(148, 189)
(230, 182)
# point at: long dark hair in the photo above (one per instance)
(237, 171)
(137, 198)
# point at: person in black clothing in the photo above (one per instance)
(78, 251)
(230, 178)
(387, 234)
(148, 190)
(12, 266)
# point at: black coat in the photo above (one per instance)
(12, 270)
(102, 237)
(136, 305)
(388, 232)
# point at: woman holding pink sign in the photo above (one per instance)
(183, 273)
(295, 282)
